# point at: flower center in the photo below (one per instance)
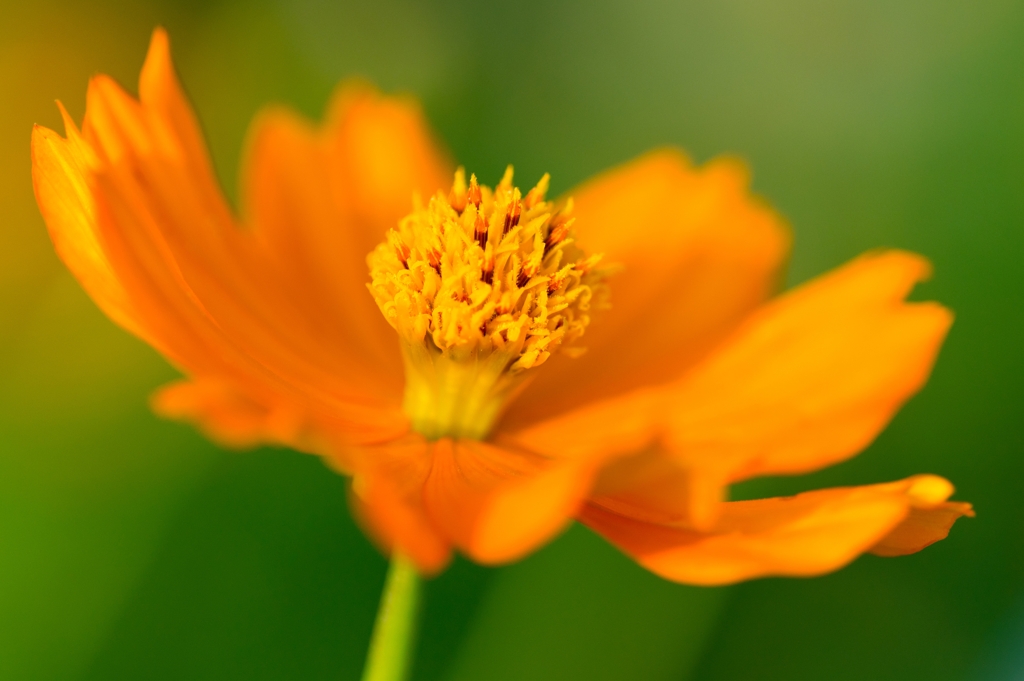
(482, 286)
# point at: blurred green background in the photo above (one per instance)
(132, 549)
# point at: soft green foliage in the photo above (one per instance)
(132, 549)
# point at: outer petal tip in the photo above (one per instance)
(226, 415)
(159, 52)
(929, 519)
(39, 134)
(912, 267)
(70, 128)
(158, 68)
(921, 528)
(732, 169)
(927, 490)
(159, 37)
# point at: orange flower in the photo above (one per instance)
(451, 392)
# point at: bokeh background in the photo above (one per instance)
(132, 549)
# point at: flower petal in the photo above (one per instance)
(207, 264)
(814, 376)
(809, 534)
(381, 152)
(698, 255)
(493, 504)
(161, 93)
(387, 497)
(228, 415)
(60, 168)
(497, 504)
(190, 281)
(807, 381)
(653, 486)
(314, 242)
(929, 520)
(321, 200)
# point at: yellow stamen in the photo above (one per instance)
(482, 286)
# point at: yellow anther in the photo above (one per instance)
(474, 194)
(482, 286)
(537, 194)
(457, 198)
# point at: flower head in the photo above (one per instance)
(445, 373)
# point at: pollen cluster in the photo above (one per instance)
(482, 271)
(488, 278)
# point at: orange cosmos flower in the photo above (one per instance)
(443, 372)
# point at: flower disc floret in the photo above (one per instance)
(486, 284)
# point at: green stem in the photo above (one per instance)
(394, 633)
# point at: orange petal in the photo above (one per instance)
(654, 487)
(227, 414)
(809, 534)
(188, 254)
(161, 93)
(497, 504)
(315, 244)
(387, 497)
(644, 480)
(929, 520)
(699, 254)
(380, 152)
(814, 376)
(60, 171)
(163, 253)
(807, 381)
